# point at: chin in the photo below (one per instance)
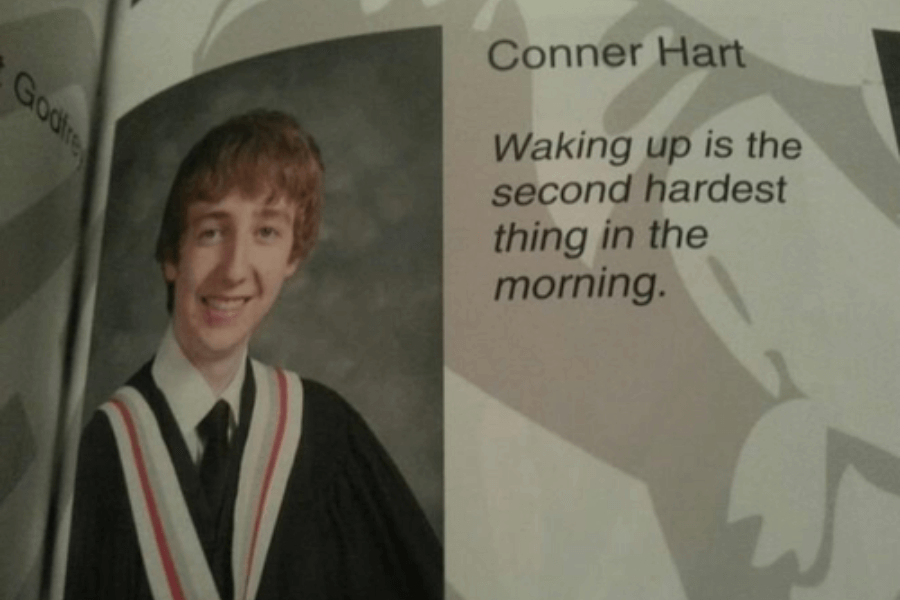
(221, 346)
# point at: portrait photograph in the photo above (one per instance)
(293, 200)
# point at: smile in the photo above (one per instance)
(223, 304)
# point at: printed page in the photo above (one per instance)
(665, 241)
(50, 59)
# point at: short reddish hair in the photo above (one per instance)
(260, 152)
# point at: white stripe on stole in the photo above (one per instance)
(166, 534)
(172, 553)
(268, 459)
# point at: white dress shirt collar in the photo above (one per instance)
(188, 394)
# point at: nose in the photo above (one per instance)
(236, 260)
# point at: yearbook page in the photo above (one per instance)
(671, 246)
(613, 283)
(50, 62)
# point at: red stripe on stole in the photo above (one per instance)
(159, 535)
(270, 468)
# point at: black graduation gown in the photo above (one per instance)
(349, 527)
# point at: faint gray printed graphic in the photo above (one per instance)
(824, 426)
(49, 57)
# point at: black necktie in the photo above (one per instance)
(213, 430)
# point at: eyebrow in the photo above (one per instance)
(270, 212)
(217, 215)
(267, 212)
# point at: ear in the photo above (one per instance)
(292, 267)
(170, 271)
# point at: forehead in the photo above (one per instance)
(240, 206)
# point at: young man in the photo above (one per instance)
(211, 475)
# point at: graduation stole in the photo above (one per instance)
(173, 557)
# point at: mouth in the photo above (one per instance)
(221, 309)
(223, 304)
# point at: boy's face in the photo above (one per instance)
(234, 258)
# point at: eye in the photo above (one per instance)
(267, 232)
(209, 235)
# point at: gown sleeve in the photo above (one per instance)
(350, 527)
(103, 558)
(383, 523)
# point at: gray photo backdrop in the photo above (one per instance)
(364, 313)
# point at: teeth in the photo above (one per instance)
(224, 304)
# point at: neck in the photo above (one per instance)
(218, 370)
(219, 373)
